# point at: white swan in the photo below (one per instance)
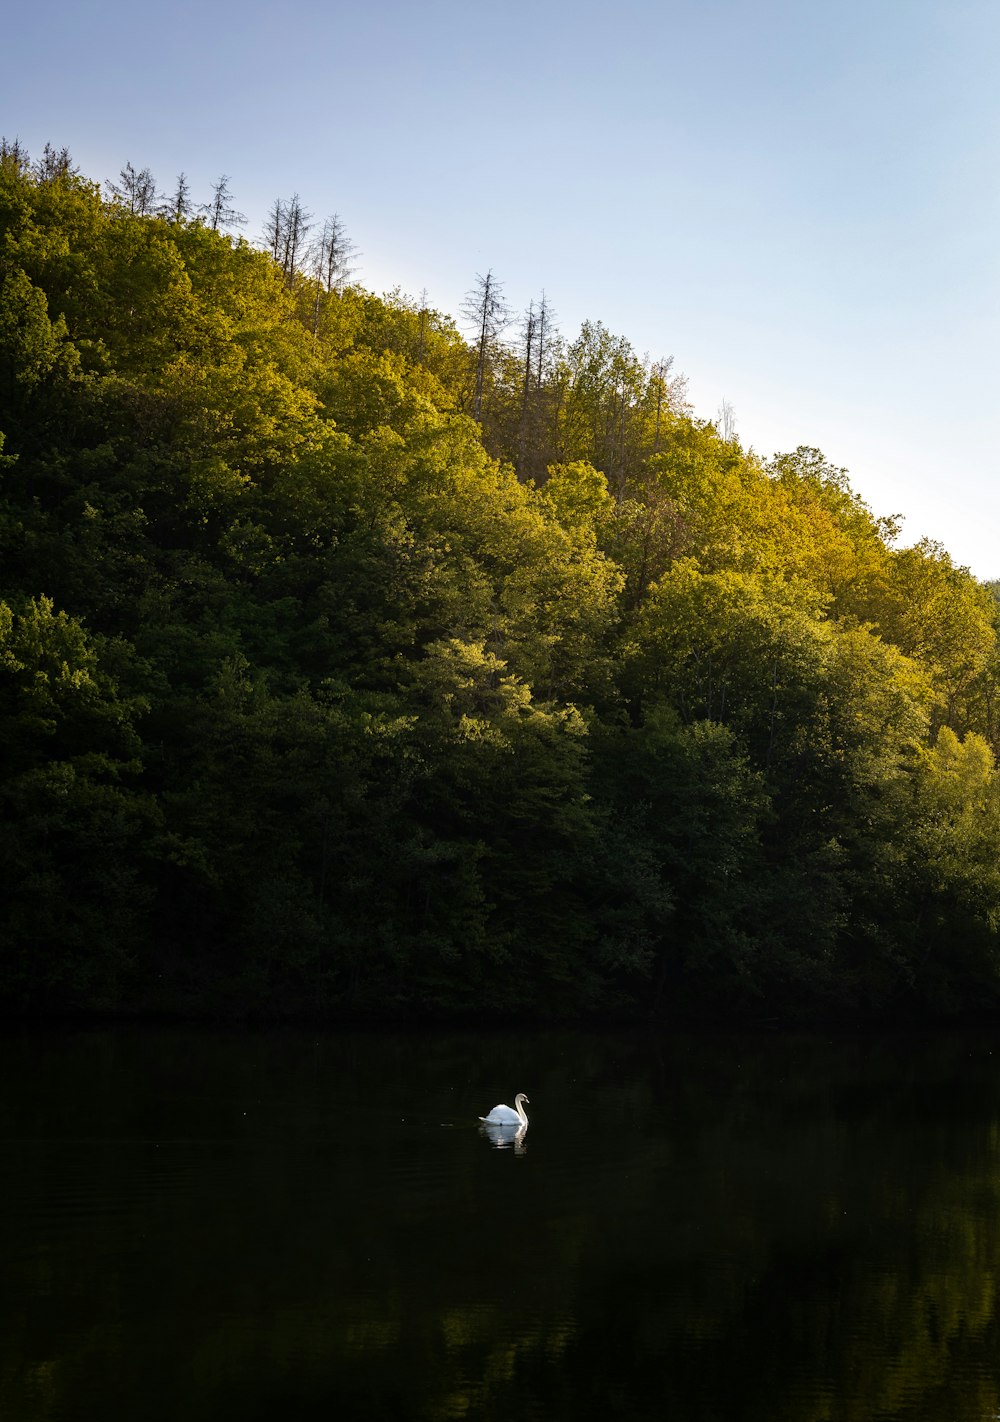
(504, 1116)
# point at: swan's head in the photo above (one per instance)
(521, 1097)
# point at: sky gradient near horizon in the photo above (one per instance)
(798, 202)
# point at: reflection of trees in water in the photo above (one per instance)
(852, 1269)
(780, 1229)
(852, 1192)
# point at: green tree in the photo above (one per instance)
(75, 831)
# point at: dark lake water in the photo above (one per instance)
(285, 1225)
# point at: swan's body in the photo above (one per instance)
(506, 1116)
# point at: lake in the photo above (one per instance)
(293, 1224)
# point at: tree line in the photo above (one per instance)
(352, 666)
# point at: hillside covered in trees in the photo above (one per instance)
(349, 665)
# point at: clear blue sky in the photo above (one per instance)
(800, 201)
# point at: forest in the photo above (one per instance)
(358, 664)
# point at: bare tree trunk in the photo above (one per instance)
(136, 191)
(179, 207)
(274, 229)
(530, 324)
(485, 307)
(422, 326)
(220, 211)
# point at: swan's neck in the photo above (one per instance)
(519, 1108)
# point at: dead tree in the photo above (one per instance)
(297, 225)
(219, 211)
(332, 255)
(725, 421)
(54, 164)
(284, 236)
(14, 156)
(486, 311)
(178, 207)
(422, 325)
(545, 331)
(529, 334)
(136, 191)
(274, 229)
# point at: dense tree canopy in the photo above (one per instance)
(321, 695)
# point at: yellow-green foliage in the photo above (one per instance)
(372, 699)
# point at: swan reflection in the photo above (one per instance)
(504, 1135)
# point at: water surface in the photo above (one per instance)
(297, 1224)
